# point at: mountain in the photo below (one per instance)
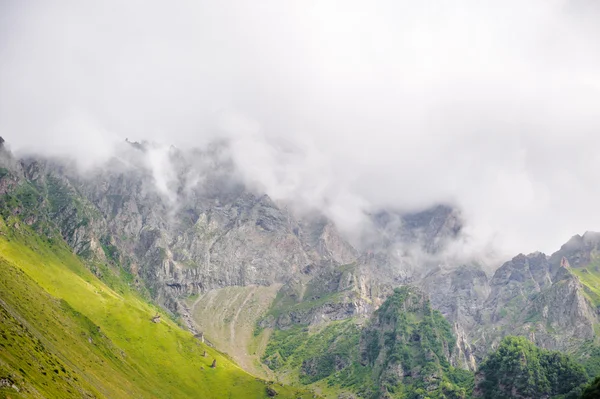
(286, 294)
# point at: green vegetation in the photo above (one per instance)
(314, 355)
(289, 299)
(55, 209)
(592, 391)
(409, 344)
(588, 355)
(403, 352)
(326, 357)
(590, 278)
(519, 368)
(64, 333)
(23, 200)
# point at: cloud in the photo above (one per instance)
(345, 106)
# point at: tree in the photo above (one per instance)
(592, 391)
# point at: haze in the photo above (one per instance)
(491, 106)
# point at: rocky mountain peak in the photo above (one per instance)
(137, 145)
(591, 237)
(430, 229)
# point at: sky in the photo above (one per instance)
(344, 106)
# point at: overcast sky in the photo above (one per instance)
(493, 106)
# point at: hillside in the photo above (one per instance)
(64, 333)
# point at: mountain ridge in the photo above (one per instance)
(194, 233)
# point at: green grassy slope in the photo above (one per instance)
(589, 353)
(64, 333)
(323, 357)
(590, 278)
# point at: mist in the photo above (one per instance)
(346, 107)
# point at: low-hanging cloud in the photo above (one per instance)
(345, 106)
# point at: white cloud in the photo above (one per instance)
(492, 106)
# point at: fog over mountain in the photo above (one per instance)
(347, 107)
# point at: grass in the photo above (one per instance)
(307, 356)
(590, 278)
(64, 333)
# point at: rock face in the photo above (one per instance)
(182, 223)
(204, 230)
(536, 297)
(459, 293)
(430, 229)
